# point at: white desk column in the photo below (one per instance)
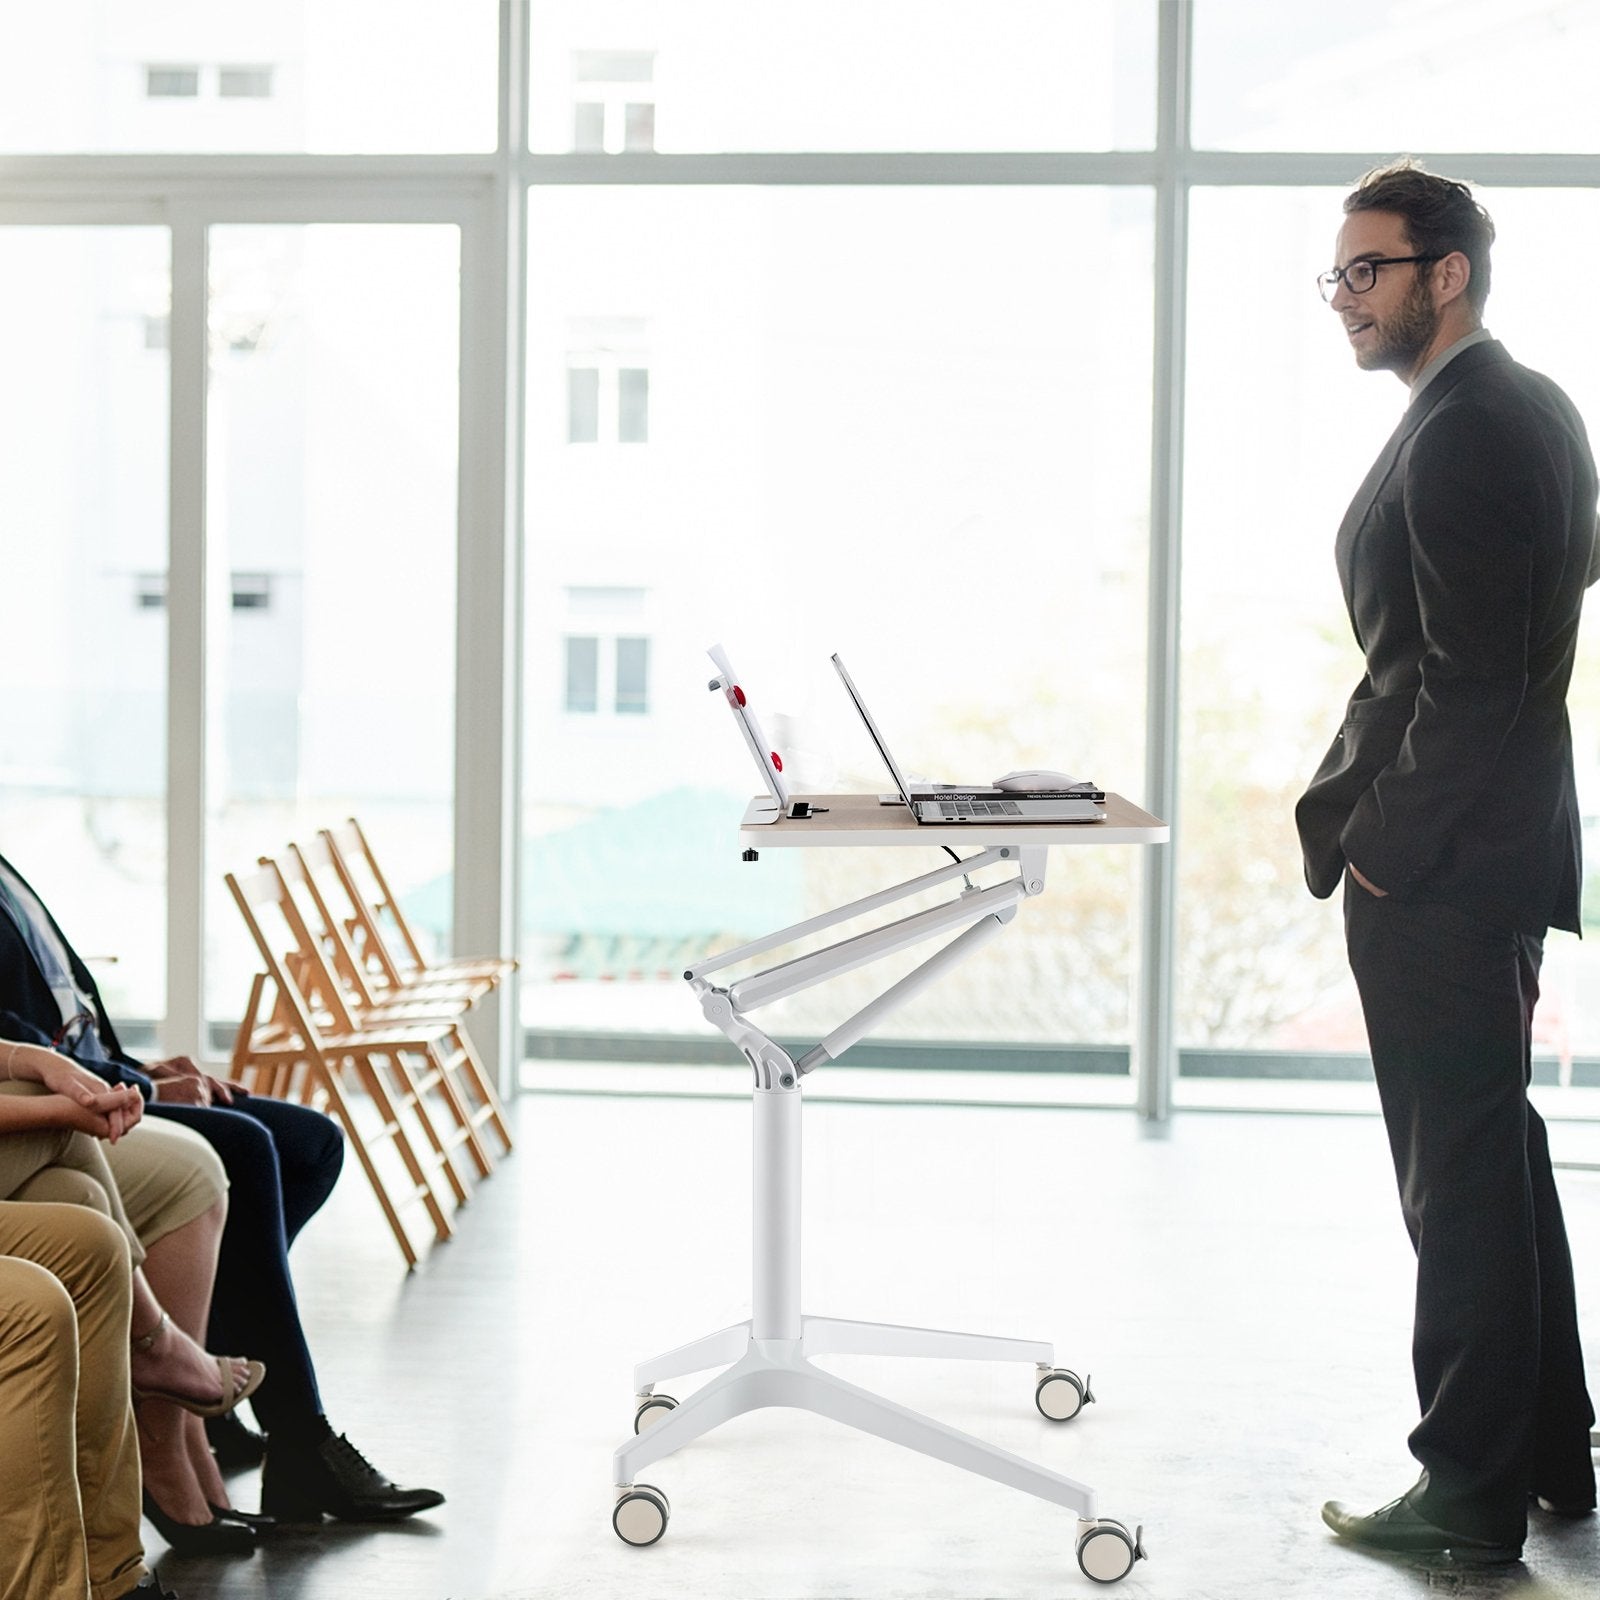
(775, 1214)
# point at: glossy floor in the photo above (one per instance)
(1240, 1292)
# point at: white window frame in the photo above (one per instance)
(487, 197)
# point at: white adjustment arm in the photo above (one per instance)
(856, 908)
(801, 973)
(773, 1065)
(1035, 857)
(871, 1014)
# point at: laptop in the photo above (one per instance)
(979, 803)
(766, 758)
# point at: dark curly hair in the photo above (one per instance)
(1439, 213)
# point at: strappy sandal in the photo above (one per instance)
(255, 1371)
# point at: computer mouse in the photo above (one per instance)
(1035, 778)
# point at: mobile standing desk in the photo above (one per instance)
(768, 1359)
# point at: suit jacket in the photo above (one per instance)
(1463, 559)
(29, 1012)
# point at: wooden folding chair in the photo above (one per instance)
(297, 1040)
(249, 1063)
(379, 927)
(352, 937)
(339, 985)
(355, 901)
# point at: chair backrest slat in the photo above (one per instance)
(265, 904)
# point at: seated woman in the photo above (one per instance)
(281, 1160)
(54, 1117)
(69, 1523)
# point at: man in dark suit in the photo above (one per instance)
(1446, 808)
(281, 1160)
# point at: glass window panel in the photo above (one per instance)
(1542, 308)
(1279, 434)
(332, 478)
(244, 83)
(583, 405)
(83, 547)
(838, 75)
(884, 424)
(633, 676)
(641, 126)
(335, 76)
(1279, 430)
(589, 125)
(172, 83)
(1510, 75)
(583, 675)
(633, 405)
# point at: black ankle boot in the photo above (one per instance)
(235, 1444)
(302, 1481)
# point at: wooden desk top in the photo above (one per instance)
(854, 819)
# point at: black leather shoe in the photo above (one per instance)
(1398, 1527)
(299, 1485)
(235, 1444)
(221, 1536)
(253, 1520)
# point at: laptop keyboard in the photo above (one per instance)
(982, 808)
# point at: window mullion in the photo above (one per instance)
(188, 601)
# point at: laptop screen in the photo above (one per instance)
(877, 738)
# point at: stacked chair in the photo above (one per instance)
(347, 1007)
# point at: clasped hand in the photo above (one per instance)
(179, 1081)
(90, 1105)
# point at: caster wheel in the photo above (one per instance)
(652, 1410)
(1060, 1395)
(1107, 1551)
(640, 1516)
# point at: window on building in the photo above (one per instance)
(583, 405)
(244, 83)
(633, 405)
(607, 650)
(252, 591)
(150, 591)
(639, 125)
(583, 674)
(633, 677)
(613, 100)
(171, 83)
(608, 381)
(588, 125)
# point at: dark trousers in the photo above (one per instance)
(282, 1161)
(1499, 1368)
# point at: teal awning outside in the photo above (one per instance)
(665, 869)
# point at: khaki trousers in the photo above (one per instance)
(69, 1483)
(152, 1181)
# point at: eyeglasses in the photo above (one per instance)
(71, 1031)
(1360, 276)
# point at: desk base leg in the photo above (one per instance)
(823, 1336)
(866, 1412)
(715, 1350)
(774, 1373)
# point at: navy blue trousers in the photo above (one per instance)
(282, 1162)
